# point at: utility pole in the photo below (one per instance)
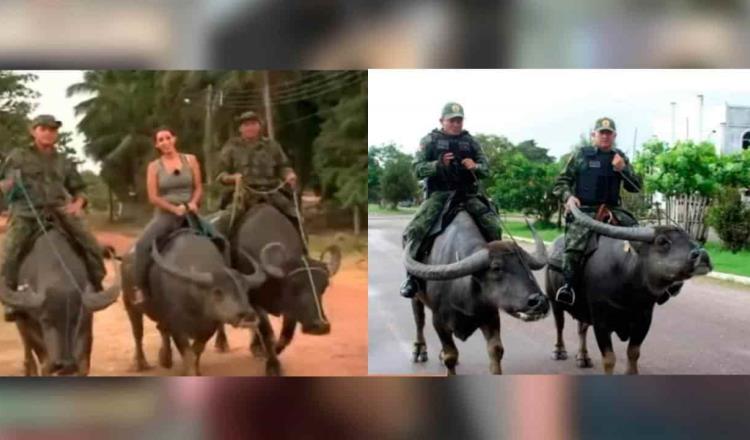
(700, 117)
(267, 104)
(207, 138)
(674, 121)
(635, 137)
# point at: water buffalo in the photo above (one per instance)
(467, 281)
(192, 292)
(295, 285)
(628, 272)
(55, 321)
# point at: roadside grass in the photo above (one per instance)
(723, 260)
(373, 208)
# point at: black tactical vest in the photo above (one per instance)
(597, 181)
(457, 178)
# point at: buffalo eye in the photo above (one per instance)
(663, 242)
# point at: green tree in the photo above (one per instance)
(17, 101)
(398, 182)
(374, 172)
(685, 169)
(533, 152)
(340, 158)
(523, 185)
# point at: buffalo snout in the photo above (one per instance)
(248, 319)
(701, 262)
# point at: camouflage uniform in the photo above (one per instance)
(50, 181)
(263, 166)
(452, 181)
(601, 189)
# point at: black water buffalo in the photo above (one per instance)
(468, 280)
(295, 285)
(628, 272)
(192, 292)
(56, 319)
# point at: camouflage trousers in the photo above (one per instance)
(577, 237)
(419, 228)
(23, 230)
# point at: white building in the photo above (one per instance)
(736, 129)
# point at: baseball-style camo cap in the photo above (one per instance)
(453, 110)
(46, 120)
(247, 116)
(605, 124)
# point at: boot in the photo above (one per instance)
(409, 287)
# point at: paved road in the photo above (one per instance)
(705, 330)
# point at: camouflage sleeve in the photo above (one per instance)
(565, 182)
(73, 181)
(631, 181)
(7, 165)
(483, 165)
(424, 168)
(282, 161)
(226, 161)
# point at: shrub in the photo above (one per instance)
(731, 219)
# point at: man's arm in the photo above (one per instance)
(423, 167)
(631, 181)
(563, 188)
(226, 165)
(482, 169)
(283, 167)
(7, 171)
(74, 184)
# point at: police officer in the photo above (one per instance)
(53, 186)
(452, 162)
(591, 181)
(260, 165)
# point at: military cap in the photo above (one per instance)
(452, 110)
(247, 116)
(45, 120)
(605, 124)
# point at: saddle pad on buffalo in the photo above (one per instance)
(555, 259)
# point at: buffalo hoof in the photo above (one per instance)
(280, 346)
(165, 358)
(257, 350)
(420, 352)
(30, 369)
(273, 368)
(139, 365)
(559, 355)
(584, 362)
(221, 345)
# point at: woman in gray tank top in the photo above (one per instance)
(174, 186)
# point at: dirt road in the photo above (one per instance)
(341, 353)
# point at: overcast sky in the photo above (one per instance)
(552, 107)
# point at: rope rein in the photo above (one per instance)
(238, 187)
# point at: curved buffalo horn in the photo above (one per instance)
(620, 232)
(269, 263)
(258, 276)
(335, 263)
(203, 279)
(24, 299)
(475, 262)
(95, 301)
(538, 259)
